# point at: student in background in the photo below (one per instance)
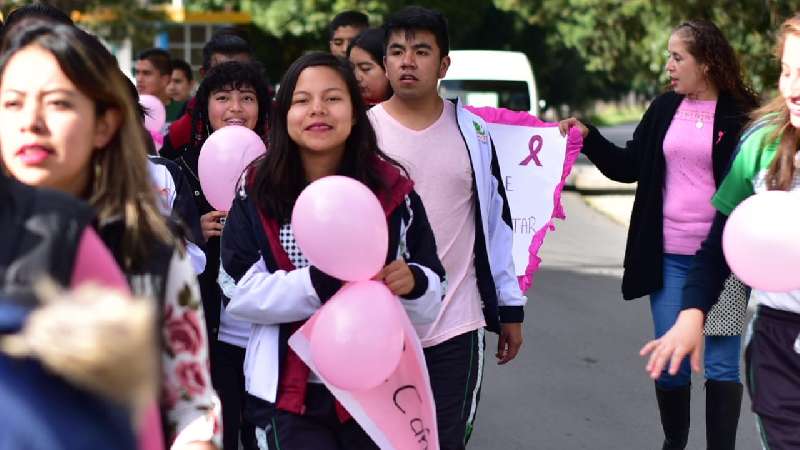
(181, 83)
(232, 93)
(366, 55)
(153, 71)
(343, 28)
(223, 46)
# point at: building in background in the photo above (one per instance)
(179, 30)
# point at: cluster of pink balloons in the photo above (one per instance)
(340, 226)
(761, 241)
(223, 158)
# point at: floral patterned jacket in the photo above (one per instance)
(191, 406)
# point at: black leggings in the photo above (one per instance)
(227, 375)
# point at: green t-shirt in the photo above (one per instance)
(748, 171)
(747, 177)
(175, 110)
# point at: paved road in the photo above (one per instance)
(579, 382)
(618, 134)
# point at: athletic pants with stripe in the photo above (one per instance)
(772, 359)
(318, 428)
(455, 368)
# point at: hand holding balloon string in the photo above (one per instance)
(212, 223)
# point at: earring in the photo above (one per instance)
(98, 172)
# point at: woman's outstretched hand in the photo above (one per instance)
(684, 338)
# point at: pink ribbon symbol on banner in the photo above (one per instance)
(534, 146)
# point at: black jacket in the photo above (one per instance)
(642, 160)
(187, 159)
(42, 230)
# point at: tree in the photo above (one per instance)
(581, 50)
(113, 20)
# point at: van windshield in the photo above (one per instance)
(512, 95)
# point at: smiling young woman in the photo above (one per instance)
(233, 93)
(319, 127)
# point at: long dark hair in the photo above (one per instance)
(279, 175)
(229, 75)
(371, 41)
(706, 43)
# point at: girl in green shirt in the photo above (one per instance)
(768, 159)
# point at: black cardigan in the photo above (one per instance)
(642, 160)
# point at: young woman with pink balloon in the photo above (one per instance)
(758, 231)
(232, 105)
(71, 123)
(319, 128)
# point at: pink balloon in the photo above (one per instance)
(155, 114)
(223, 158)
(340, 226)
(761, 241)
(357, 340)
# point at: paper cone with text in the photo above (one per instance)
(398, 414)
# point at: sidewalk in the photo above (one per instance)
(610, 198)
(616, 207)
(594, 188)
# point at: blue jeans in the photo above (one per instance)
(721, 352)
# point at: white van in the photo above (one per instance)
(491, 78)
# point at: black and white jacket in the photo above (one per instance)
(503, 301)
(272, 299)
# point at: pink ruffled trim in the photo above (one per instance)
(574, 145)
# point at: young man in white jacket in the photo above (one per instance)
(451, 159)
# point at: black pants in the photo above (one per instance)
(318, 429)
(455, 368)
(227, 375)
(772, 358)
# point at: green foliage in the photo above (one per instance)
(113, 20)
(625, 41)
(580, 50)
